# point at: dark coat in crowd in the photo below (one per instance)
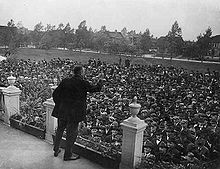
(2, 85)
(70, 98)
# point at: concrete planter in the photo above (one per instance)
(35, 131)
(80, 147)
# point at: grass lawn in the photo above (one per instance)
(83, 57)
(39, 54)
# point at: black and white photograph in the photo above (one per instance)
(109, 84)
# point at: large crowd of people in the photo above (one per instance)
(181, 107)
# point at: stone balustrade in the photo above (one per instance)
(133, 127)
(133, 131)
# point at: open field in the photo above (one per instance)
(38, 54)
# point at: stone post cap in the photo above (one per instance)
(11, 79)
(11, 89)
(49, 102)
(134, 103)
(133, 121)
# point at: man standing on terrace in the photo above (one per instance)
(70, 109)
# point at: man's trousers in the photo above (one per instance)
(71, 135)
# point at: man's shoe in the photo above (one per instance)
(73, 157)
(56, 153)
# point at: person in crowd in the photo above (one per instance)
(2, 84)
(70, 100)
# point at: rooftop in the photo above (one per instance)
(215, 39)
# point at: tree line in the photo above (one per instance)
(103, 40)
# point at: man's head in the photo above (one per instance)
(79, 70)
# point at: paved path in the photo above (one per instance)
(178, 59)
(19, 150)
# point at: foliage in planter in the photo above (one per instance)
(147, 163)
(16, 122)
(111, 150)
(32, 109)
(16, 116)
(33, 113)
(105, 138)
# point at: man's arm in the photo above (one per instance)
(56, 93)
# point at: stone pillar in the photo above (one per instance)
(51, 122)
(11, 99)
(132, 141)
(2, 104)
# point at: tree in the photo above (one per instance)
(52, 39)
(175, 40)
(60, 26)
(203, 43)
(11, 23)
(132, 49)
(103, 28)
(146, 41)
(69, 36)
(99, 40)
(113, 47)
(175, 31)
(124, 31)
(37, 34)
(39, 27)
(82, 35)
(90, 39)
(190, 50)
(23, 38)
(46, 42)
(50, 27)
(162, 44)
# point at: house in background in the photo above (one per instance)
(115, 36)
(215, 42)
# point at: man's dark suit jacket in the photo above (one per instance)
(70, 98)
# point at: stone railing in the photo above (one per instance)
(133, 127)
(132, 141)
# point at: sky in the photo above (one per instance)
(193, 16)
